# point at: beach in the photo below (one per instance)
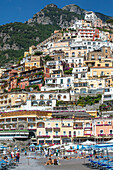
(39, 163)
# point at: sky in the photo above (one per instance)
(22, 10)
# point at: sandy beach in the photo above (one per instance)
(39, 163)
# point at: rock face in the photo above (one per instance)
(53, 15)
(74, 8)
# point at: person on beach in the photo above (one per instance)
(25, 153)
(17, 156)
(12, 154)
(46, 153)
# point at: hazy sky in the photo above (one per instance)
(22, 10)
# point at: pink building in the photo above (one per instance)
(98, 23)
(102, 128)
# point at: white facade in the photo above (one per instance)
(73, 60)
(108, 94)
(90, 16)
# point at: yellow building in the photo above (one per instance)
(34, 62)
(12, 100)
(101, 72)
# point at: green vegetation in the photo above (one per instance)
(38, 53)
(103, 17)
(68, 71)
(47, 58)
(34, 86)
(21, 130)
(15, 89)
(40, 73)
(60, 102)
(89, 100)
(23, 36)
(110, 21)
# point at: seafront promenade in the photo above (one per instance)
(39, 163)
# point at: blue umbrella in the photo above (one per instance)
(39, 146)
(32, 146)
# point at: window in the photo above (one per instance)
(56, 124)
(69, 132)
(106, 51)
(34, 64)
(74, 133)
(67, 54)
(102, 73)
(111, 131)
(62, 124)
(64, 96)
(99, 57)
(78, 132)
(61, 81)
(68, 124)
(101, 131)
(64, 132)
(87, 124)
(109, 123)
(56, 133)
(92, 57)
(58, 58)
(95, 73)
(40, 133)
(106, 65)
(46, 133)
(98, 123)
(73, 54)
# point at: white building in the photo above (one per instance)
(58, 83)
(90, 16)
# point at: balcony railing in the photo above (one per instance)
(63, 136)
(43, 136)
(88, 128)
(56, 127)
(48, 127)
(101, 134)
(56, 136)
(78, 127)
(87, 134)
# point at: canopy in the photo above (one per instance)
(32, 146)
(87, 142)
(39, 146)
(110, 141)
(45, 145)
(103, 146)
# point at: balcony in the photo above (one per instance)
(49, 128)
(31, 128)
(99, 124)
(57, 128)
(87, 134)
(88, 128)
(66, 126)
(56, 136)
(110, 134)
(43, 136)
(78, 127)
(64, 136)
(101, 135)
(70, 135)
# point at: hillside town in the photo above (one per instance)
(62, 89)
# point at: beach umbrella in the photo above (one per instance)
(110, 141)
(46, 145)
(32, 146)
(39, 146)
(87, 142)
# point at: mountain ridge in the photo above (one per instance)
(15, 38)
